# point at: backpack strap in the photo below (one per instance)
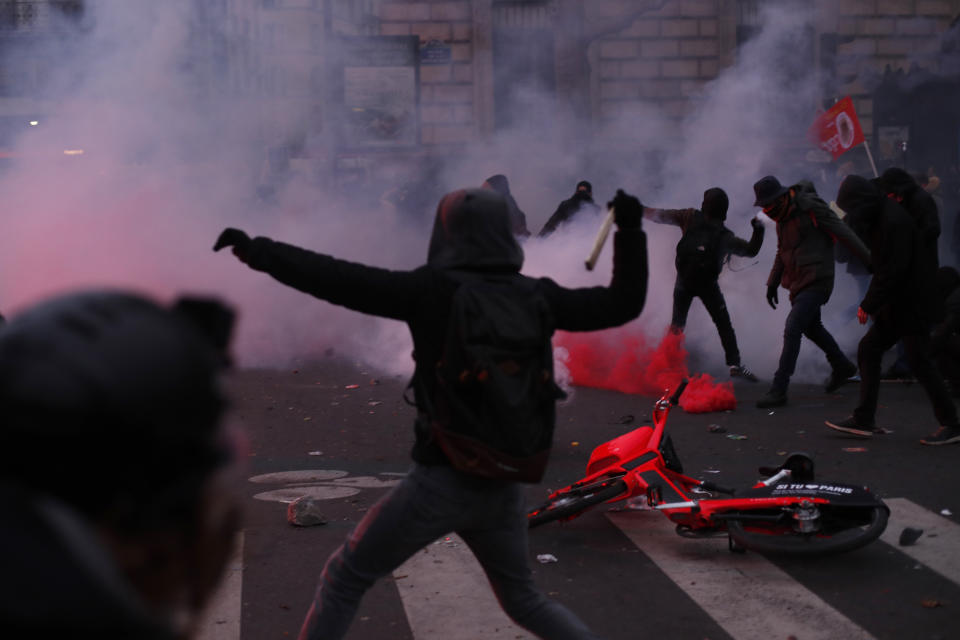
(813, 219)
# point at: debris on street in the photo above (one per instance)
(305, 512)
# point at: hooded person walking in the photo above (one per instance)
(901, 187)
(705, 245)
(806, 231)
(902, 300)
(472, 241)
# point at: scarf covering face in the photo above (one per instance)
(898, 182)
(472, 231)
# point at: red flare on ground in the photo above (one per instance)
(622, 361)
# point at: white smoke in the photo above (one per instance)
(167, 165)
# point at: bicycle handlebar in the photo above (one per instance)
(675, 398)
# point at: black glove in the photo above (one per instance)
(756, 223)
(772, 299)
(627, 210)
(235, 238)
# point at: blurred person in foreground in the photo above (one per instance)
(705, 245)
(581, 200)
(472, 239)
(119, 515)
(902, 300)
(807, 229)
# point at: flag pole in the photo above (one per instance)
(870, 157)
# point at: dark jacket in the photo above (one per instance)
(59, 581)
(918, 203)
(948, 287)
(567, 209)
(805, 237)
(903, 289)
(472, 232)
(729, 243)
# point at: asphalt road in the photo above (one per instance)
(335, 431)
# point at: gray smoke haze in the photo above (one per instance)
(167, 165)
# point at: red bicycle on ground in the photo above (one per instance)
(788, 512)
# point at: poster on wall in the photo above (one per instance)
(379, 79)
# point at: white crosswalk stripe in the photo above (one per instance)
(939, 534)
(746, 594)
(446, 596)
(221, 620)
(445, 577)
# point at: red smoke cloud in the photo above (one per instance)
(629, 362)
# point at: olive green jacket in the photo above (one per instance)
(805, 238)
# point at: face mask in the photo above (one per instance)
(778, 208)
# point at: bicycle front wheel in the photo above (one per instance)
(572, 502)
(842, 528)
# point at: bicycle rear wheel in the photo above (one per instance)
(842, 528)
(572, 502)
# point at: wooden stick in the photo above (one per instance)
(870, 156)
(601, 240)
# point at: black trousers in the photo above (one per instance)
(712, 298)
(883, 334)
(946, 354)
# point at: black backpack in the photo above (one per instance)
(494, 408)
(700, 252)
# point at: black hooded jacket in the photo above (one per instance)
(903, 287)
(922, 208)
(918, 203)
(472, 232)
(712, 214)
(566, 210)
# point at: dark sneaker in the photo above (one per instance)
(773, 398)
(944, 435)
(851, 426)
(740, 371)
(839, 376)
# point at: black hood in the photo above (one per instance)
(715, 203)
(862, 201)
(472, 230)
(898, 182)
(499, 183)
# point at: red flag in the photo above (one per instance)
(837, 130)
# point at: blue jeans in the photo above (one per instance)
(804, 320)
(429, 503)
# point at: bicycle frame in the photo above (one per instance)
(643, 459)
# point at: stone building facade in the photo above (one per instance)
(480, 61)
(608, 56)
